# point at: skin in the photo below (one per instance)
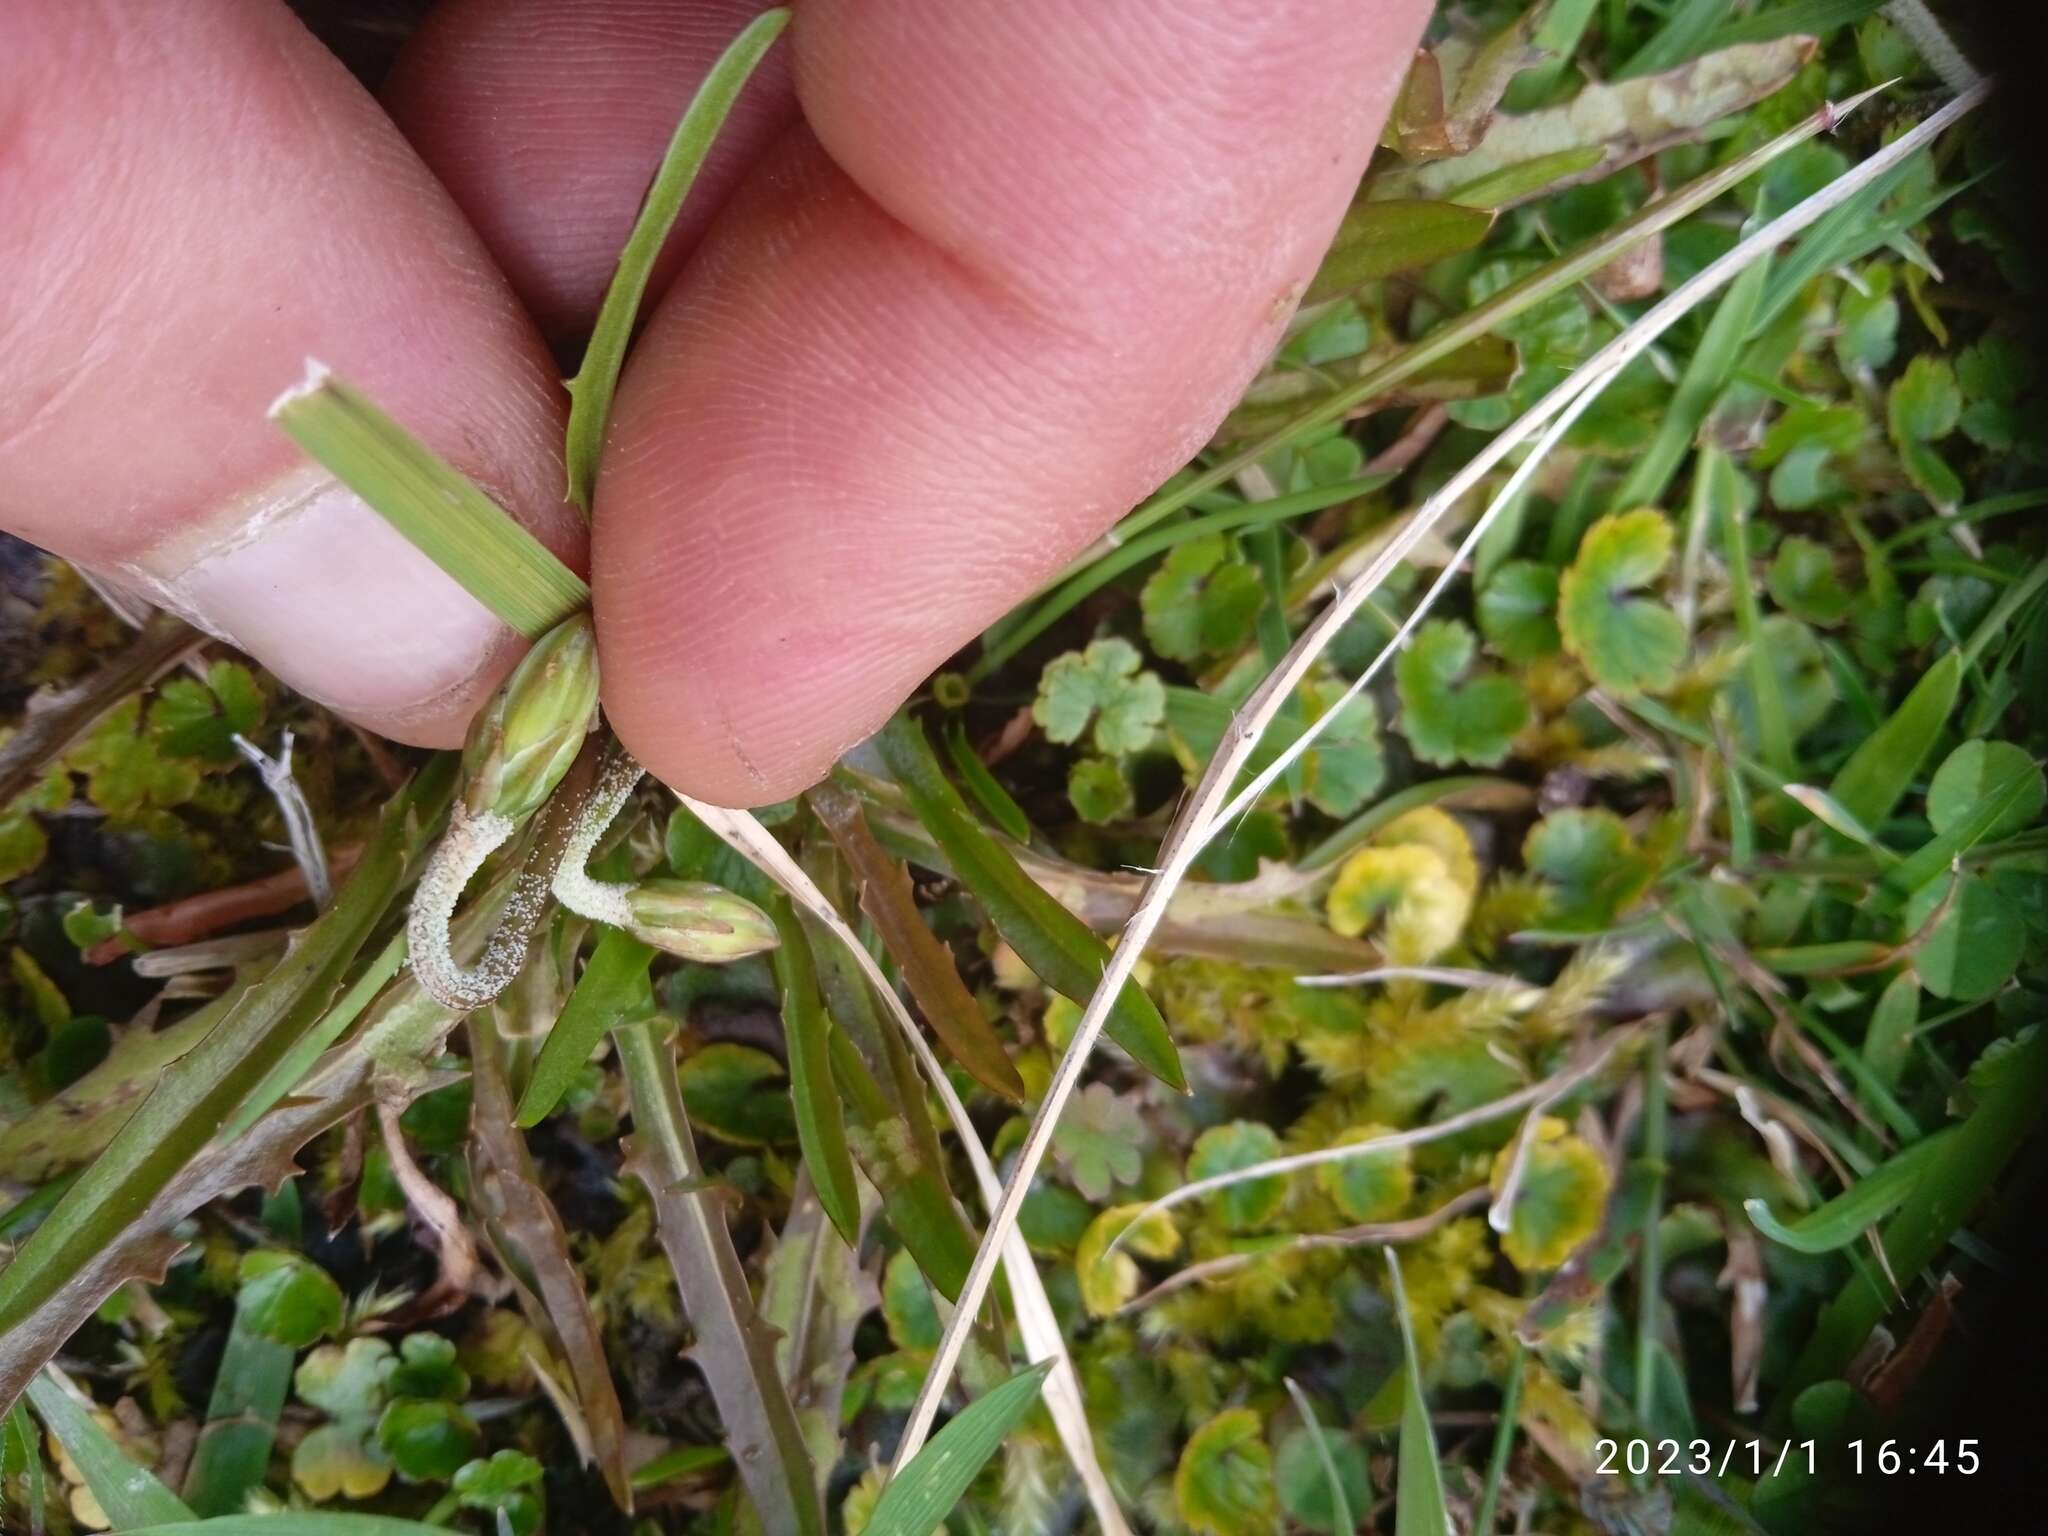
(963, 282)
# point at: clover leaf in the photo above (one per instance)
(1993, 373)
(1629, 643)
(287, 1299)
(1372, 1186)
(505, 1487)
(1100, 1141)
(1102, 685)
(1417, 880)
(1108, 1280)
(427, 1439)
(1450, 714)
(201, 720)
(1517, 611)
(1202, 601)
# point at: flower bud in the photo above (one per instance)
(697, 921)
(525, 738)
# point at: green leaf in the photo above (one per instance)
(1881, 769)
(1418, 1480)
(1890, 1036)
(590, 392)
(1984, 789)
(1249, 1203)
(1224, 1483)
(433, 504)
(1976, 946)
(986, 788)
(1098, 790)
(907, 1306)
(296, 1522)
(1101, 685)
(1924, 402)
(345, 1381)
(1787, 660)
(499, 1487)
(1201, 601)
(287, 1299)
(1591, 863)
(1373, 1186)
(738, 1094)
(1629, 643)
(1803, 582)
(1379, 239)
(1867, 321)
(1100, 1141)
(1048, 938)
(200, 1091)
(807, 1038)
(1517, 611)
(1561, 1198)
(1524, 179)
(1862, 1205)
(1321, 1477)
(128, 1494)
(613, 986)
(918, 1499)
(427, 1439)
(1450, 713)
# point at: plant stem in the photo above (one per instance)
(1650, 1264)
(1503, 1439)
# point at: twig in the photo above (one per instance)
(1406, 1231)
(192, 918)
(299, 827)
(54, 724)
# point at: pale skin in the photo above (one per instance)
(965, 280)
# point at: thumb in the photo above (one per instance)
(212, 199)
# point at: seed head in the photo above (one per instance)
(524, 740)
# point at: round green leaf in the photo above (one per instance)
(1239, 1144)
(1224, 1483)
(907, 1305)
(427, 1440)
(1629, 643)
(1977, 944)
(1981, 774)
(288, 1299)
(738, 1094)
(1450, 713)
(1517, 611)
(1372, 1186)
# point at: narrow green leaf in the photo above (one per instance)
(2007, 1083)
(432, 503)
(1773, 723)
(1523, 180)
(1863, 1204)
(1881, 769)
(807, 1037)
(202, 1089)
(21, 1441)
(1892, 1022)
(986, 788)
(1053, 942)
(927, 965)
(1378, 239)
(734, 1349)
(1340, 1506)
(590, 392)
(612, 988)
(1815, 18)
(129, 1494)
(1418, 1486)
(1683, 36)
(920, 1497)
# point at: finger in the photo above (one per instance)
(210, 199)
(546, 119)
(1011, 275)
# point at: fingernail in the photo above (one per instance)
(332, 599)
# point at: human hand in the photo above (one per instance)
(963, 281)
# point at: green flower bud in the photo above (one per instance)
(525, 738)
(697, 921)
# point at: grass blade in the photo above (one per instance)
(128, 1494)
(807, 1036)
(1340, 1507)
(202, 1089)
(1004, 811)
(1865, 1203)
(734, 1349)
(233, 1449)
(613, 987)
(1418, 1480)
(1881, 769)
(295, 1522)
(920, 1497)
(928, 969)
(1047, 937)
(590, 392)
(431, 502)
